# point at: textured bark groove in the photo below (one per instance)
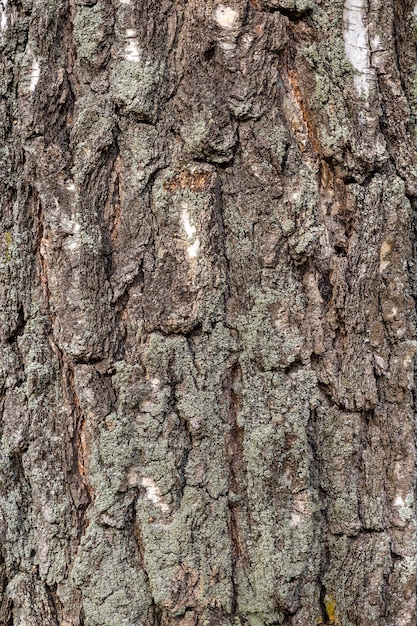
(207, 313)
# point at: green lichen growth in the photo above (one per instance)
(90, 33)
(134, 85)
(195, 136)
(332, 73)
(112, 582)
(408, 568)
(203, 140)
(407, 511)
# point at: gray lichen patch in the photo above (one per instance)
(135, 81)
(117, 589)
(92, 28)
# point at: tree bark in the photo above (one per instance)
(207, 312)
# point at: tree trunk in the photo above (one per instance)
(207, 312)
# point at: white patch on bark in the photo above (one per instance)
(411, 351)
(227, 46)
(132, 52)
(386, 248)
(380, 363)
(35, 75)
(295, 520)
(393, 313)
(193, 249)
(226, 17)
(155, 382)
(247, 40)
(73, 244)
(228, 20)
(3, 16)
(69, 227)
(153, 493)
(405, 507)
(399, 501)
(72, 228)
(355, 35)
(190, 231)
(415, 10)
(189, 228)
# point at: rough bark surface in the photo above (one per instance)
(207, 314)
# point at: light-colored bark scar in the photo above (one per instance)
(190, 231)
(386, 248)
(35, 75)
(132, 52)
(228, 20)
(355, 36)
(226, 17)
(3, 16)
(153, 494)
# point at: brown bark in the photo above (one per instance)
(207, 313)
